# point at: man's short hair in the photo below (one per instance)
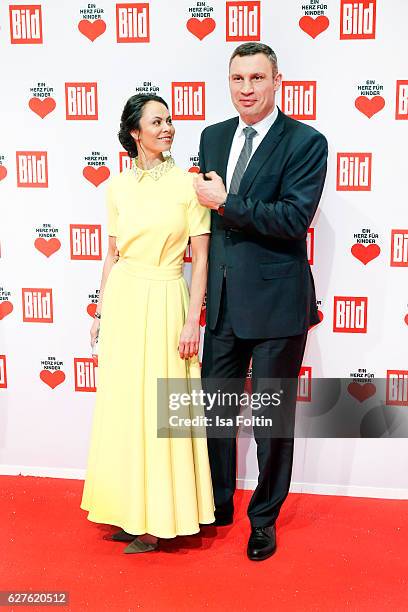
(252, 48)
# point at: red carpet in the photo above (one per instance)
(334, 553)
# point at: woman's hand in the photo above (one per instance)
(94, 331)
(189, 340)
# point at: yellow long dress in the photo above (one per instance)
(135, 479)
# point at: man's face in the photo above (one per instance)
(253, 86)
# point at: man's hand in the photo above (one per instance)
(210, 193)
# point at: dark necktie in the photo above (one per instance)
(243, 159)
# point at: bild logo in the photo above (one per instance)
(350, 315)
(188, 100)
(125, 162)
(397, 388)
(26, 24)
(86, 242)
(299, 99)
(81, 101)
(3, 372)
(357, 19)
(37, 305)
(85, 374)
(310, 245)
(132, 23)
(399, 248)
(354, 171)
(401, 107)
(304, 391)
(32, 168)
(243, 21)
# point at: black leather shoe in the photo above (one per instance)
(262, 543)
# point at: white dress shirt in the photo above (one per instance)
(261, 127)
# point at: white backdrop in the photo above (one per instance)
(67, 69)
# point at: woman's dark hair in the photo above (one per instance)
(130, 119)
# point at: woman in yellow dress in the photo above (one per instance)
(148, 329)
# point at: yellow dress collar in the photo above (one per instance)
(155, 173)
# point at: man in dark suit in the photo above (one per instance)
(262, 175)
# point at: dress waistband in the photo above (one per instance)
(150, 272)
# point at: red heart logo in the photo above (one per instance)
(203, 316)
(3, 172)
(321, 317)
(91, 309)
(365, 253)
(406, 319)
(201, 29)
(92, 29)
(5, 308)
(194, 169)
(361, 392)
(96, 176)
(42, 107)
(369, 106)
(47, 247)
(52, 379)
(312, 26)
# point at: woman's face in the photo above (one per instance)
(156, 130)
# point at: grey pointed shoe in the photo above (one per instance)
(137, 546)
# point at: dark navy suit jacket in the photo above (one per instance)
(261, 239)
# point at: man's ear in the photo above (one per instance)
(277, 81)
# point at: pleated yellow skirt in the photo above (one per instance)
(135, 479)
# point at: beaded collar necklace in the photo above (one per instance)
(156, 173)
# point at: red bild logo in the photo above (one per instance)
(3, 372)
(85, 374)
(350, 315)
(125, 162)
(37, 305)
(397, 388)
(399, 248)
(32, 168)
(85, 241)
(354, 171)
(132, 23)
(357, 19)
(401, 106)
(299, 99)
(304, 392)
(81, 101)
(310, 245)
(188, 100)
(243, 21)
(26, 24)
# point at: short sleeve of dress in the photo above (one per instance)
(199, 217)
(112, 211)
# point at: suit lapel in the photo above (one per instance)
(262, 154)
(225, 142)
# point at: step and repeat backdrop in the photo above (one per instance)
(68, 66)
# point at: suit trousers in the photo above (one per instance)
(226, 359)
